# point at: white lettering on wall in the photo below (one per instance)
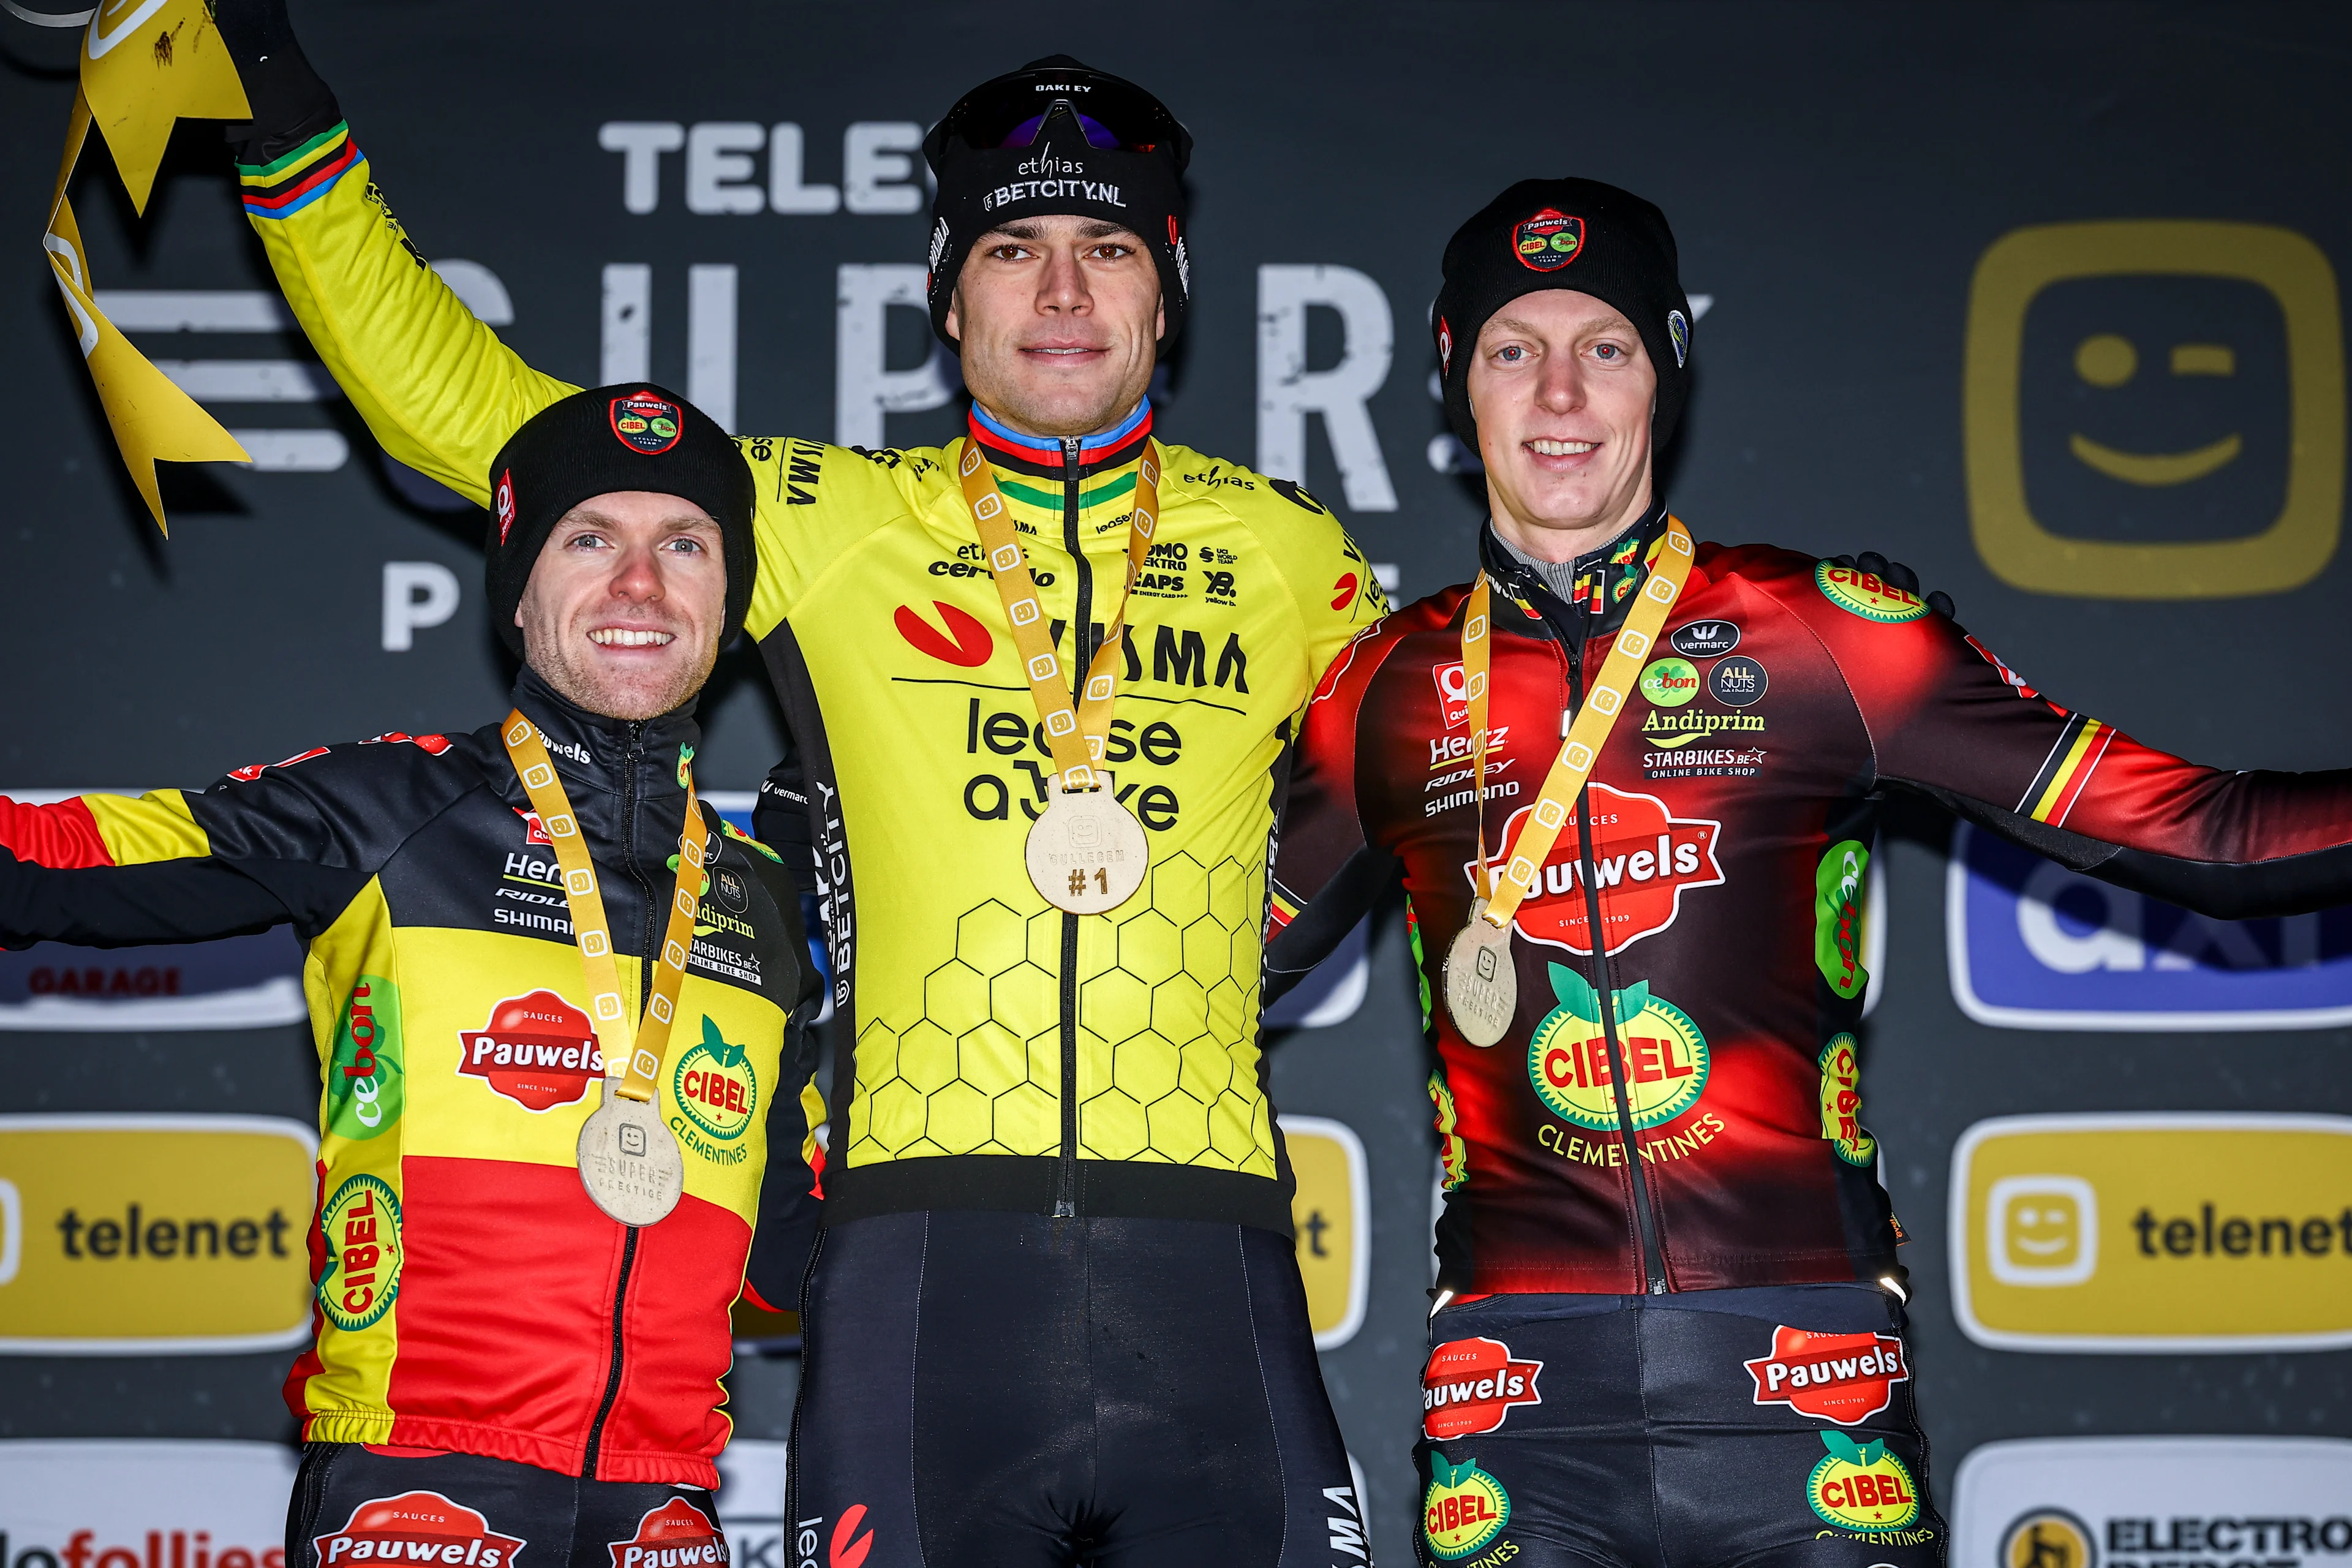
(880, 172)
(640, 144)
(416, 594)
(1287, 392)
(864, 388)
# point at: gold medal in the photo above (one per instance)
(629, 1162)
(1482, 988)
(1087, 851)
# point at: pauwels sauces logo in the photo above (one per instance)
(417, 1527)
(717, 1094)
(1844, 1378)
(1567, 1056)
(1469, 1386)
(1463, 1509)
(365, 1075)
(538, 1050)
(360, 1229)
(1862, 1486)
(1643, 860)
(676, 1535)
(965, 644)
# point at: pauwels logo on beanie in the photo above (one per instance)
(1564, 234)
(632, 437)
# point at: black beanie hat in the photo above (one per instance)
(1564, 234)
(632, 437)
(1137, 184)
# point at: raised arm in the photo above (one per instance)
(107, 871)
(1948, 719)
(436, 385)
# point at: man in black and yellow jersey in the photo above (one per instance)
(505, 944)
(1054, 1310)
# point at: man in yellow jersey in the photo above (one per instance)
(1054, 1310)
(506, 1367)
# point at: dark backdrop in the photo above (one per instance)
(1835, 172)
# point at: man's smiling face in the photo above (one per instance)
(1057, 320)
(625, 605)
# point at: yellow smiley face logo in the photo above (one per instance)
(2154, 409)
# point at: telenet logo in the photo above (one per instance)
(1330, 1210)
(2153, 1232)
(145, 1235)
(2154, 409)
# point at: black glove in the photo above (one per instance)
(1896, 575)
(291, 103)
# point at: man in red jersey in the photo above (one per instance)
(1669, 1320)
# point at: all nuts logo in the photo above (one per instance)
(676, 1535)
(539, 1050)
(417, 1527)
(1844, 1378)
(1643, 860)
(1470, 1386)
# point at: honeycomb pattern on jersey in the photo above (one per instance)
(1168, 1056)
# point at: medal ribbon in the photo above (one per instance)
(1580, 749)
(1066, 723)
(642, 1045)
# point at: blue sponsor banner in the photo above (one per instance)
(2033, 945)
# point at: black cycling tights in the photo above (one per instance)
(1006, 1389)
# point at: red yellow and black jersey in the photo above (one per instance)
(469, 1295)
(1720, 850)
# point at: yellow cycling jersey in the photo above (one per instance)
(1001, 1052)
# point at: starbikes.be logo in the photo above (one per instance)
(1463, 1509)
(538, 1050)
(1643, 859)
(360, 1227)
(1861, 1486)
(676, 1535)
(1842, 1101)
(365, 1076)
(417, 1527)
(1567, 1056)
(1844, 1378)
(1470, 1386)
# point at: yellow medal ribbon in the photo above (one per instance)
(643, 1044)
(145, 65)
(1075, 732)
(1580, 750)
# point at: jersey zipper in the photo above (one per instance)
(1066, 1187)
(1654, 1268)
(633, 759)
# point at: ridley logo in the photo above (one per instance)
(417, 1527)
(1844, 1378)
(646, 424)
(676, 1535)
(1453, 693)
(504, 499)
(539, 1050)
(1642, 859)
(1547, 241)
(1470, 1386)
(965, 644)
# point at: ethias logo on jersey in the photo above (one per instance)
(1567, 1056)
(1643, 860)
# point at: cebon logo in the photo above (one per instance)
(2154, 409)
(2153, 1232)
(153, 1235)
(2033, 946)
(1331, 1209)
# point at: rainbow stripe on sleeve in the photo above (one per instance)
(286, 186)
